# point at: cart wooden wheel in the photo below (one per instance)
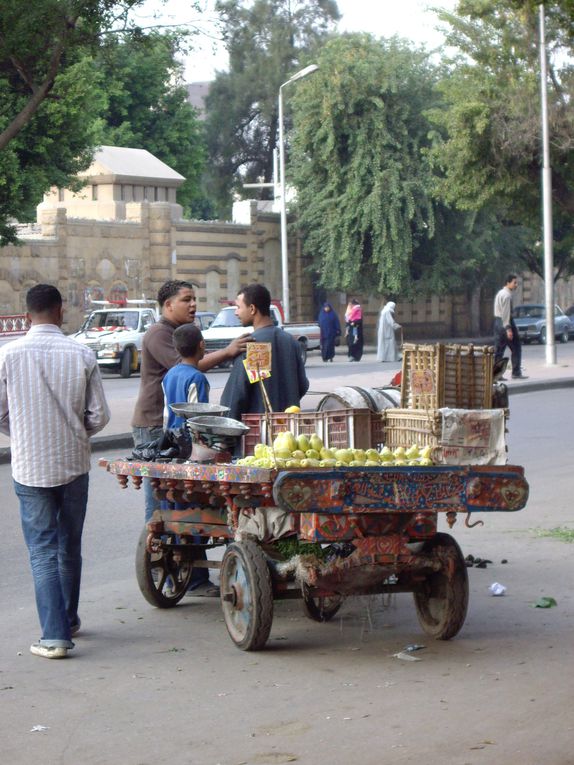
(320, 608)
(246, 595)
(442, 599)
(162, 579)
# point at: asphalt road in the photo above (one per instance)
(147, 686)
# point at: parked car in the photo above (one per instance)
(115, 335)
(530, 321)
(226, 327)
(204, 319)
(570, 314)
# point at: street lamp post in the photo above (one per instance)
(547, 201)
(282, 188)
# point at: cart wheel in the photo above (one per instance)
(246, 595)
(163, 581)
(322, 608)
(442, 601)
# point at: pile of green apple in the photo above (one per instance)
(290, 451)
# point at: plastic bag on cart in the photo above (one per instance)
(173, 444)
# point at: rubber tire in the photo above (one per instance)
(564, 336)
(245, 580)
(542, 338)
(126, 363)
(321, 609)
(442, 602)
(303, 351)
(155, 592)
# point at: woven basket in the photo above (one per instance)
(457, 376)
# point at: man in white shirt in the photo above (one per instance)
(505, 331)
(51, 402)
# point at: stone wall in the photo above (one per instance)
(99, 259)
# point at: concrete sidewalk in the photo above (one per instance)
(117, 434)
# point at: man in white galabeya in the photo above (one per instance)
(51, 402)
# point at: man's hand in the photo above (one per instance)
(509, 333)
(237, 346)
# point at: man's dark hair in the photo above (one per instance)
(171, 288)
(43, 298)
(510, 278)
(259, 296)
(186, 340)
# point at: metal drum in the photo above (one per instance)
(355, 397)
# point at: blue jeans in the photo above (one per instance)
(52, 522)
(144, 436)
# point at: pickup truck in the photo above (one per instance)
(115, 335)
(226, 327)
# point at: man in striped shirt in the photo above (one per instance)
(51, 402)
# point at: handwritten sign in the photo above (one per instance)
(253, 376)
(422, 381)
(258, 357)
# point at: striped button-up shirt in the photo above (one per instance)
(51, 401)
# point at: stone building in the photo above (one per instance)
(123, 235)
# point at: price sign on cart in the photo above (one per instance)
(258, 361)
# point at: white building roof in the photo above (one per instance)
(123, 164)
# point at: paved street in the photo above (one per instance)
(149, 686)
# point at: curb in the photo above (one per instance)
(125, 440)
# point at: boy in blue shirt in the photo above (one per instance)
(184, 383)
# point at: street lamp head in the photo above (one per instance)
(302, 73)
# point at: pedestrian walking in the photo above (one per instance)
(330, 329)
(387, 349)
(354, 330)
(505, 331)
(51, 401)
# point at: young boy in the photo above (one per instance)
(184, 383)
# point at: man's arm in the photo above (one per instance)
(97, 413)
(235, 347)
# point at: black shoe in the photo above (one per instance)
(520, 377)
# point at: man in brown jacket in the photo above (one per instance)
(177, 303)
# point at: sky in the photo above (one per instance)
(411, 19)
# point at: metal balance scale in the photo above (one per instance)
(214, 437)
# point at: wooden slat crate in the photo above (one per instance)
(457, 376)
(338, 429)
(405, 427)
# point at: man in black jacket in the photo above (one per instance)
(288, 382)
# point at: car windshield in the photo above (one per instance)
(529, 312)
(109, 319)
(226, 318)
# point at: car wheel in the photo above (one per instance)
(542, 339)
(564, 336)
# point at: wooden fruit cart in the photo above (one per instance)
(353, 530)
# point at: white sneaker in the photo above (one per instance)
(49, 651)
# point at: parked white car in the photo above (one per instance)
(226, 327)
(115, 334)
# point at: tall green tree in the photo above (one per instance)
(364, 185)
(492, 153)
(267, 41)
(50, 99)
(148, 107)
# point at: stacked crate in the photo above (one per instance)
(435, 377)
